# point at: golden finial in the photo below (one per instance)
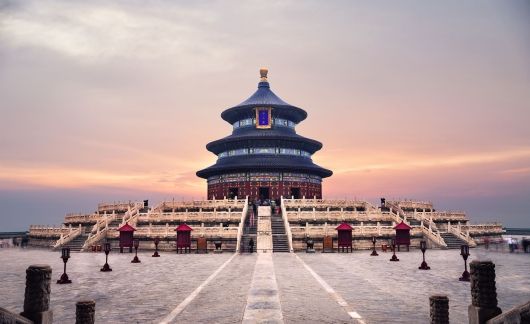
(263, 72)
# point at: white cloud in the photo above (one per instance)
(92, 33)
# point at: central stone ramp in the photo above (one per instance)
(264, 234)
(263, 302)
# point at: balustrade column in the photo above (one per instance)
(483, 292)
(439, 311)
(37, 294)
(85, 312)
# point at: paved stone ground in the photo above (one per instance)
(379, 290)
(225, 298)
(131, 293)
(302, 298)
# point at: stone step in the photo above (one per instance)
(279, 237)
(76, 244)
(279, 242)
(452, 241)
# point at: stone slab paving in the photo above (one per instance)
(383, 291)
(379, 290)
(303, 300)
(225, 298)
(263, 302)
(131, 293)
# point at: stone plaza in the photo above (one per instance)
(283, 287)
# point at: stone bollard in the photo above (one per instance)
(439, 309)
(85, 312)
(37, 295)
(483, 292)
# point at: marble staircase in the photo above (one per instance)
(452, 241)
(279, 236)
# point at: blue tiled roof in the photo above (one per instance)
(262, 163)
(264, 97)
(264, 136)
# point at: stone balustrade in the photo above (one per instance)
(48, 231)
(325, 203)
(110, 207)
(81, 218)
(338, 216)
(409, 204)
(65, 238)
(447, 216)
(177, 205)
(482, 229)
(300, 232)
(169, 231)
(189, 216)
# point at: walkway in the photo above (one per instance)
(286, 287)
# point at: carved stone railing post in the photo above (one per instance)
(85, 312)
(439, 309)
(37, 294)
(483, 292)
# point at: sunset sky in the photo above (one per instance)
(417, 99)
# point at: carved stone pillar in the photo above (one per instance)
(483, 292)
(37, 294)
(439, 309)
(85, 312)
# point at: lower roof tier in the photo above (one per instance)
(264, 163)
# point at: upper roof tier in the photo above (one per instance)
(264, 97)
(264, 138)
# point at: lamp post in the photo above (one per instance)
(464, 252)
(423, 247)
(310, 245)
(136, 245)
(106, 267)
(218, 245)
(394, 257)
(374, 252)
(157, 240)
(65, 255)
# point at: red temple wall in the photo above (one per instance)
(276, 189)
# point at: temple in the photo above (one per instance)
(264, 158)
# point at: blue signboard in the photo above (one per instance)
(263, 118)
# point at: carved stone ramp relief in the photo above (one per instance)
(264, 230)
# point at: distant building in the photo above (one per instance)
(264, 157)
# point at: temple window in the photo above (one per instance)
(275, 121)
(265, 150)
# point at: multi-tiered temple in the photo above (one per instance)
(264, 158)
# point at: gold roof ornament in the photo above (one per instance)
(263, 72)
